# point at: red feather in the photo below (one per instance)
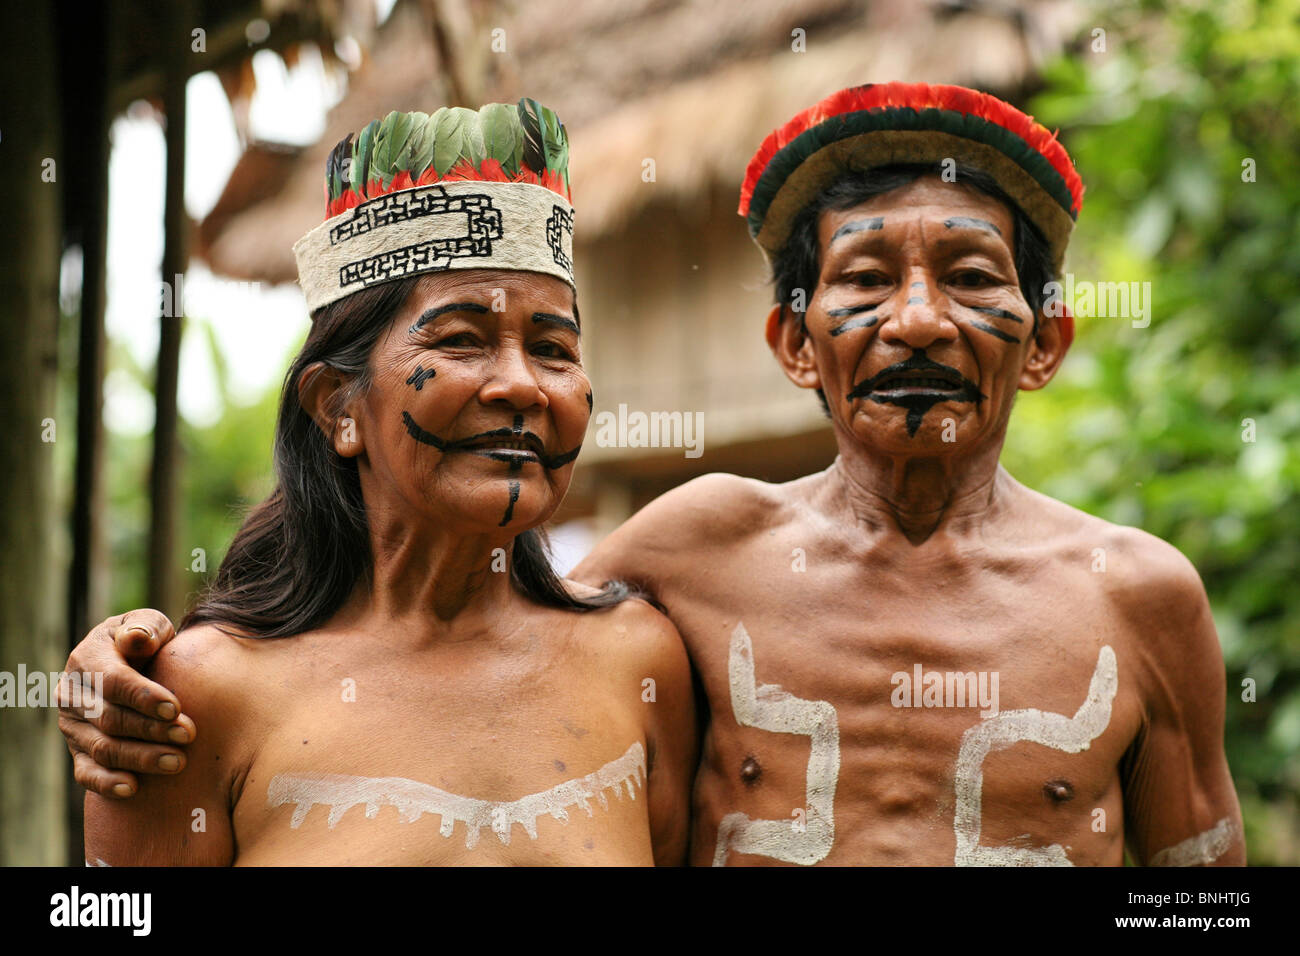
(918, 96)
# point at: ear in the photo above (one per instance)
(792, 347)
(1047, 350)
(320, 392)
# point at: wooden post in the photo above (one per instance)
(87, 219)
(33, 829)
(163, 478)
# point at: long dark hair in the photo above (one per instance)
(300, 553)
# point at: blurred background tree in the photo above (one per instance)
(1187, 131)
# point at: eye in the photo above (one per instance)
(457, 339)
(552, 350)
(972, 279)
(869, 279)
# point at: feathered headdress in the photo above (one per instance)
(458, 189)
(885, 123)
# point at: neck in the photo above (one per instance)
(918, 495)
(418, 568)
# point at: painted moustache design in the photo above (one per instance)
(917, 384)
(530, 445)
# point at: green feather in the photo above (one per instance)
(422, 147)
(534, 152)
(398, 132)
(362, 153)
(472, 146)
(501, 136)
(406, 157)
(449, 137)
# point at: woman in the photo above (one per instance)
(453, 701)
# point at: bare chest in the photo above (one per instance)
(971, 717)
(413, 765)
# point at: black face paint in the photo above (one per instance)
(858, 225)
(866, 322)
(432, 314)
(948, 385)
(559, 461)
(1000, 313)
(420, 377)
(561, 320)
(996, 333)
(420, 435)
(516, 431)
(510, 508)
(969, 223)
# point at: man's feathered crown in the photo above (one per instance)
(883, 123)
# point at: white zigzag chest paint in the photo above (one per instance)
(413, 799)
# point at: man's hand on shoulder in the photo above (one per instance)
(182, 819)
(138, 725)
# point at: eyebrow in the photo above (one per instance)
(561, 320)
(432, 314)
(966, 222)
(858, 225)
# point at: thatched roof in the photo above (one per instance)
(694, 86)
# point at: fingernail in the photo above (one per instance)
(169, 762)
(167, 711)
(121, 790)
(140, 629)
(178, 735)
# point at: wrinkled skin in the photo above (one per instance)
(916, 547)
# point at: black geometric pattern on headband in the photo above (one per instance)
(560, 220)
(430, 256)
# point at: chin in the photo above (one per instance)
(891, 436)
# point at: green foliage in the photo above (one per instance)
(1149, 426)
(225, 469)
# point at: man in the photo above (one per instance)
(909, 657)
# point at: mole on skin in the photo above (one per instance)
(750, 771)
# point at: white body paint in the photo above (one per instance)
(768, 707)
(1201, 849)
(413, 799)
(1070, 734)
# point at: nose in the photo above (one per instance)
(512, 380)
(921, 318)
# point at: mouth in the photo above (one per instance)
(918, 382)
(504, 445)
(915, 379)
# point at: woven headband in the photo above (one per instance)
(461, 189)
(882, 124)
